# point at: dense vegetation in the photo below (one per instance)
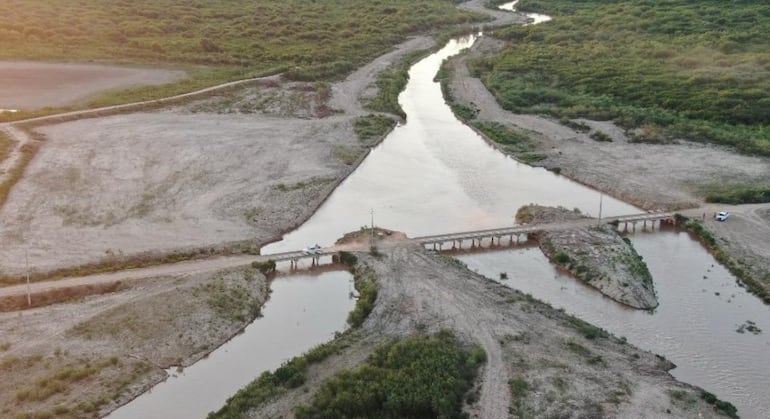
(676, 68)
(740, 195)
(418, 377)
(309, 39)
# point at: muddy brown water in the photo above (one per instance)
(303, 311)
(696, 325)
(435, 175)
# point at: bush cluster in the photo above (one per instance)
(415, 377)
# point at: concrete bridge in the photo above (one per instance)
(515, 234)
(511, 235)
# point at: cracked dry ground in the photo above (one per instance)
(567, 374)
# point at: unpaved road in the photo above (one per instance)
(523, 338)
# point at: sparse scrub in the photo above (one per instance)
(513, 140)
(365, 281)
(6, 145)
(373, 126)
(600, 136)
(391, 83)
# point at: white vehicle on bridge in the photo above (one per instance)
(722, 216)
(312, 250)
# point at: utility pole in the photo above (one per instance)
(601, 196)
(26, 260)
(371, 239)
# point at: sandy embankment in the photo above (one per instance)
(199, 176)
(567, 374)
(79, 358)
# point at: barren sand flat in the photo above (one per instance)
(155, 182)
(30, 85)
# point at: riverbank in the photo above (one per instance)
(89, 356)
(539, 361)
(652, 176)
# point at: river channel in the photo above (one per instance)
(435, 175)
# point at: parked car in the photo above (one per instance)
(722, 216)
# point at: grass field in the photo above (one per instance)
(662, 68)
(217, 41)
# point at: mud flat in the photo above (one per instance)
(33, 85)
(540, 361)
(597, 255)
(77, 359)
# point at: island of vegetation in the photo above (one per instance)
(597, 255)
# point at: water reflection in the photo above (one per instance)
(701, 307)
(303, 311)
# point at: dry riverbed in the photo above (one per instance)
(540, 362)
(86, 357)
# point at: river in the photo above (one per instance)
(302, 312)
(435, 175)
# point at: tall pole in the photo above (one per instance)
(371, 240)
(26, 260)
(601, 196)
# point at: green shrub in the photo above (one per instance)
(561, 258)
(415, 377)
(348, 258)
(741, 195)
(373, 126)
(266, 267)
(365, 282)
(725, 407)
(600, 136)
